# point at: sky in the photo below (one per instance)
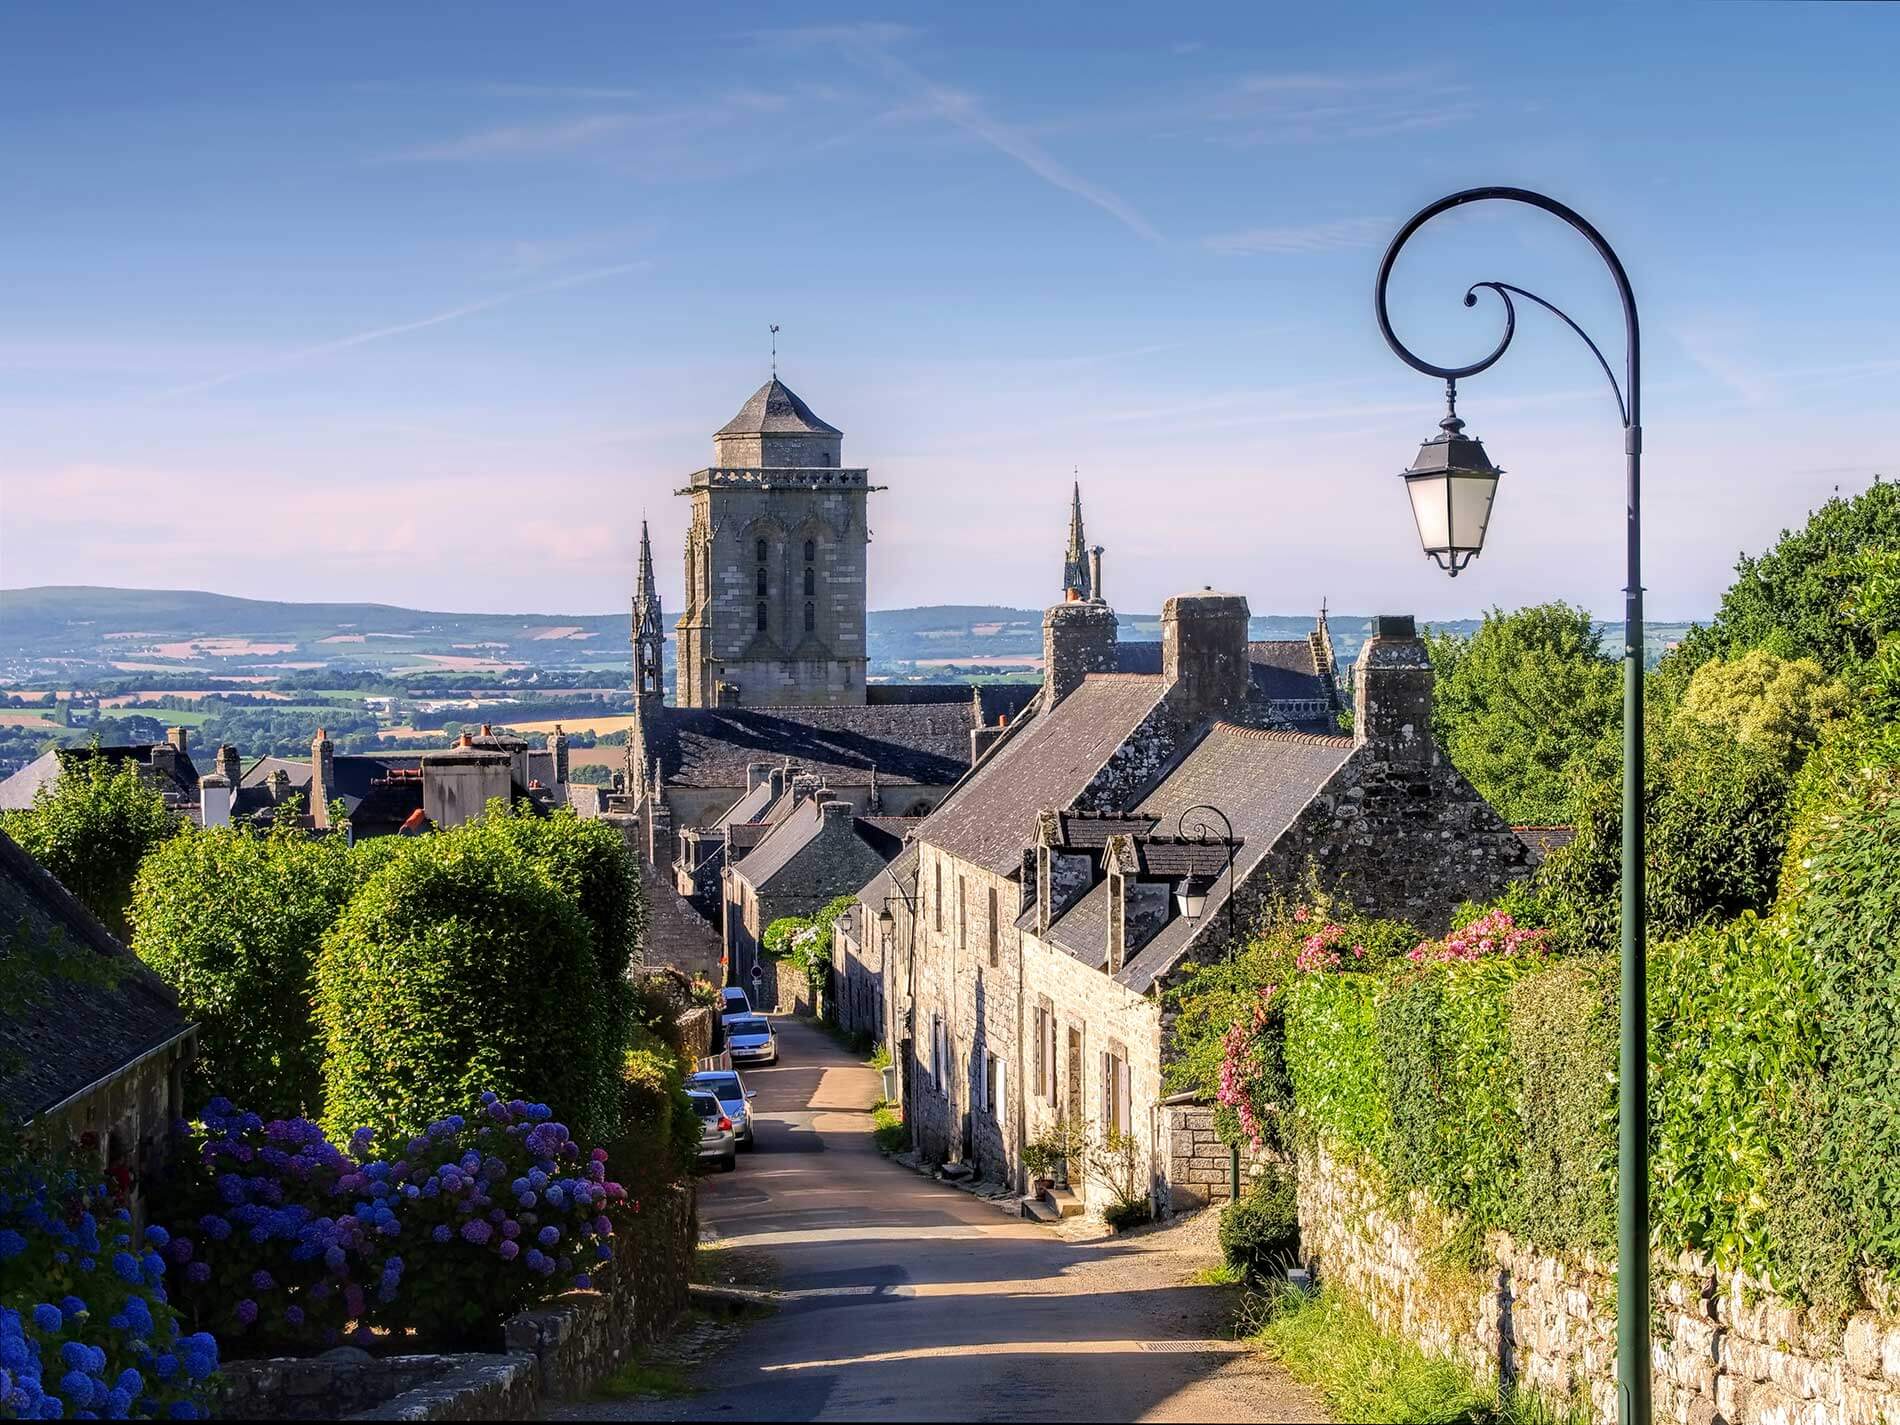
(432, 305)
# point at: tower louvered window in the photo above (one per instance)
(761, 617)
(811, 581)
(811, 617)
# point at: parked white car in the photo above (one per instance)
(717, 1138)
(732, 1000)
(750, 1040)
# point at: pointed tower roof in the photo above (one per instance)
(643, 587)
(775, 409)
(1075, 563)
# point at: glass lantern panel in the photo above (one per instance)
(1471, 498)
(1431, 507)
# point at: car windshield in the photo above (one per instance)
(726, 1086)
(747, 1026)
(735, 996)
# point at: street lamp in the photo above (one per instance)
(1193, 893)
(1467, 495)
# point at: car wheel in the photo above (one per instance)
(730, 1164)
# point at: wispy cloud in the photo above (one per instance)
(523, 140)
(364, 338)
(1319, 107)
(869, 46)
(1290, 240)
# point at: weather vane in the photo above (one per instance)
(775, 348)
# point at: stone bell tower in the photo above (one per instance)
(775, 563)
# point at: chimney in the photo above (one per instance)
(836, 811)
(1077, 639)
(755, 773)
(776, 778)
(1204, 653)
(1392, 692)
(1095, 574)
(982, 739)
(279, 784)
(229, 767)
(559, 743)
(322, 778)
(162, 760)
(803, 786)
(214, 800)
(179, 738)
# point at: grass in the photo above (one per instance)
(1328, 1342)
(641, 1377)
(1221, 1274)
(888, 1128)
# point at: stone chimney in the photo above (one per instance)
(559, 743)
(1204, 653)
(279, 784)
(323, 777)
(804, 785)
(228, 765)
(1392, 691)
(755, 773)
(1077, 639)
(833, 811)
(982, 739)
(1095, 574)
(179, 738)
(214, 800)
(162, 763)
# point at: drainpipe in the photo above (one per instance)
(1233, 1172)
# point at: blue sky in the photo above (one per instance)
(428, 305)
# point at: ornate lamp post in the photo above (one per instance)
(1452, 486)
(1193, 893)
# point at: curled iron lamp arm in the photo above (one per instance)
(1632, 1284)
(1203, 828)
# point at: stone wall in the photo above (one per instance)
(1200, 1165)
(1728, 1350)
(695, 1031)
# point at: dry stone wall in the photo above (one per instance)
(1727, 1351)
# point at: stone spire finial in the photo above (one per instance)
(643, 586)
(1075, 564)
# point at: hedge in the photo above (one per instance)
(457, 968)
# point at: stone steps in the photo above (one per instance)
(1063, 1202)
(1036, 1210)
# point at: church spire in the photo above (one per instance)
(644, 592)
(1075, 565)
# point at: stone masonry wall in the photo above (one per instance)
(1200, 1169)
(1727, 1351)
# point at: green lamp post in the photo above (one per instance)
(1452, 485)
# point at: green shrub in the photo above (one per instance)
(777, 939)
(1848, 923)
(1563, 1038)
(658, 1136)
(1450, 1091)
(1332, 1061)
(232, 920)
(1260, 1231)
(91, 826)
(457, 968)
(888, 1129)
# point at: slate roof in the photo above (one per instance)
(923, 743)
(676, 934)
(1046, 763)
(1092, 829)
(781, 844)
(1262, 780)
(17, 791)
(749, 807)
(1283, 668)
(71, 1035)
(775, 409)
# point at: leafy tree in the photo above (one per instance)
(90, 827)
(1791, 599)
(1524, 704)
(232, 920)
(1779, 706)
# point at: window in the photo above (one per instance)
(1039, 1050)
(811, 580)
(761, 581)
(761, 551)
(993, 1086)
(963, 914)
(761, 616)
(992, 928)
(1049, 1088)
(1115, 1090)
(811, 550)
(811, 617)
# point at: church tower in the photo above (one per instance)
(775, 564)
(649, 636)
(1076, 581)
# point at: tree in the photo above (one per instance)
(1524, 705)
(90, 827)
(232, 920)
(1780, 706)
(1791, 599)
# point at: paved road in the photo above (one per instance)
(906, 1299)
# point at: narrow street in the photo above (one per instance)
(905, 1299)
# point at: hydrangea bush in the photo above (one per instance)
(301, 1243)
(85, 1326)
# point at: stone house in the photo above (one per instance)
(92, 1050)
(1052, 885)
(166, 765)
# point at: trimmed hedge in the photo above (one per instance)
(1260, 1230)
(461, 967)
(1563, 1033)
